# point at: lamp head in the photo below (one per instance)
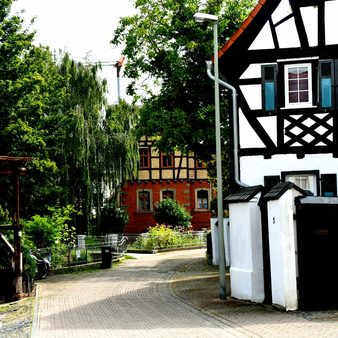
(208, 64)
(204, 17)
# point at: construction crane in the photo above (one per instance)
(118, 65)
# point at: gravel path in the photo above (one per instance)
(16, 319)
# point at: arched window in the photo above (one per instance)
(167, 193)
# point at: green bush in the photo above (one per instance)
(170, 212)
(162, 237)
(29, 264)
(51, 230)
(114, 219)
(41, 232)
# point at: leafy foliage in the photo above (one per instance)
(164, 43)
(53, 110)
(162, 237)
(49, 231)
(170, 212)
(41, 232)
(114, 219)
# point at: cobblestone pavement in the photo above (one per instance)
(163, 295)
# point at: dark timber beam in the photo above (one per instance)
(304, 42)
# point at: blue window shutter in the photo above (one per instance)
(326, 84)
(269, 88)
(326, 92)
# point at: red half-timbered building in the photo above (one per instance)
(177, 176)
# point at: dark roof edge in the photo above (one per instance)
(244, 195)
(242, 28)
(280, 189)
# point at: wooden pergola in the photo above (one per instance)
(15, 167)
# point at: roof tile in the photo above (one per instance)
(242, 28)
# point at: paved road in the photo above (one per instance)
(158, 296)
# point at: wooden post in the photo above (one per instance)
(18, 262)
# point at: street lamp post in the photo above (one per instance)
(203, 17)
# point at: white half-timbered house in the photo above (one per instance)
(283, 62)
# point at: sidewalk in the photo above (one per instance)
(165, 295)
(197, 284)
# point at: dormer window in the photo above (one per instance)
(298, 85)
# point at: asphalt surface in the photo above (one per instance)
(164, 295)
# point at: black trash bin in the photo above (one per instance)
(107, 257)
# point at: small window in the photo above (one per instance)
(304, 181)
(325, 83)
(269, 88)
(202, 199)
(168, 194)
(329, 185)
(200, 164)
(144, 201)
(144, 158)
(298, 89)
(167, 161)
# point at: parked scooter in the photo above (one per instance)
(42, 265)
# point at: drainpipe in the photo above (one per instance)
(235, 122)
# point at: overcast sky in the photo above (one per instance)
(82, 27)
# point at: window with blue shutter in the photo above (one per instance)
(269, 87)
(326, 83)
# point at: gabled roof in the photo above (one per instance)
(233, 56)
(255, 21)
(243, 27)
(280, 189)
(244, 195)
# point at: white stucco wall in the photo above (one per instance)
(254, 168)
(246, 271)
(287, 33)
(331, 22)
(283, 257)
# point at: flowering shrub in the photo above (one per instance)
(162, 237)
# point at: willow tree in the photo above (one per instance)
(98, 151)
(53, 110)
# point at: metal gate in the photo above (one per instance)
(317, 241)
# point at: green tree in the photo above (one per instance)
(163, 42)
(170, 212)
(99, 148)
(27, 99)
(53, 110)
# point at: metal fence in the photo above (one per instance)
(147, 241)
(87, 250)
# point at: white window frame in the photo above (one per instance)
(138, 202)
(196, 199)
(173, 190)
(286, 86)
